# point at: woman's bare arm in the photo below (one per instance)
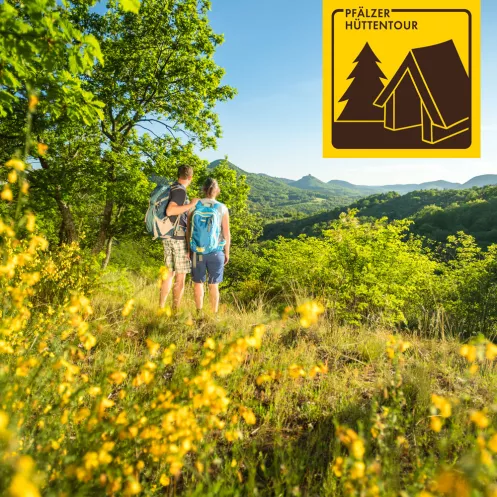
(225, 225)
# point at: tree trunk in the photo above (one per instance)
(103, 233)
(68, 232)
(108, 252)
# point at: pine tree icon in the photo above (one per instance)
(367, 84)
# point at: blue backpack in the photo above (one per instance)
(206, 228)
(156, 221)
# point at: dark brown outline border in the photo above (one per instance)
(470, 31)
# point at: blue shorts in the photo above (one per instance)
(208, 263)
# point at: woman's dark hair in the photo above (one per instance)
(211, 187)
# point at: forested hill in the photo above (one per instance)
(436, 213)
(279, 198)
(283, 199)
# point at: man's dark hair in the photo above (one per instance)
(185, 172)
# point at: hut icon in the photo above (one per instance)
(430, 90)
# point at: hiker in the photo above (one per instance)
(176, 256)
(209, 239)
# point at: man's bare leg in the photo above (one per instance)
(198, 290)
(214, 297)
(178, 289)
(165, 289)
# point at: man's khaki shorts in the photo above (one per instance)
(176, 255)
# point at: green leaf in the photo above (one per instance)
(130, 5)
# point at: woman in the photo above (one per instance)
(208, 234)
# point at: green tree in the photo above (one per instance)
(159, 77)
(42, 57)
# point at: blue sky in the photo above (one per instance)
(272, 55)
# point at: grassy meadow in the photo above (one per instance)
(110, 395)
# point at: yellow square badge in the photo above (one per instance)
(401, 78)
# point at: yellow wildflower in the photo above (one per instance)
(492, 444)
(21, 486)
(128, 307)
(468, 352)
(16, 164)
(133, 488)
(357, 449)
(338, 467)
(479, 419)
(32, 102)
(42, 148)
(357, 471)
(443, 405)
(436, 424)
(295, 371)
(486, 458)
(165, 480)
(248, 415)
(309, 313)
(7, 194)
(90, 460)
(153, 347)
(451, 483)
(491, 351)
(118, 377)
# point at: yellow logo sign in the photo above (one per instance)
(401, 78)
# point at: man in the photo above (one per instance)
(175, 248)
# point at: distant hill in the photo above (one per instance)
(436, 214)
(309, 182)
(281, 198)
(484, 180)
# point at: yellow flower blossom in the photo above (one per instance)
(12, 176)
(436, 424)
(452, 483)
(295, 371)
(248, 415)
(153, 347)
(128, 307)
(479, 419)
(21, 486)
(486, 458)
(32, 102)
(16, 164)
(30, 222)
(7, 194)
(443, 405)
(357, 471)
(133, 488)
(491, 351)
(309, 313)
(492, 444)
(165, 480)
(357, 449)
(90, 460)
(42, 148)
(338, 467)
(468, 352)
(118, 377)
